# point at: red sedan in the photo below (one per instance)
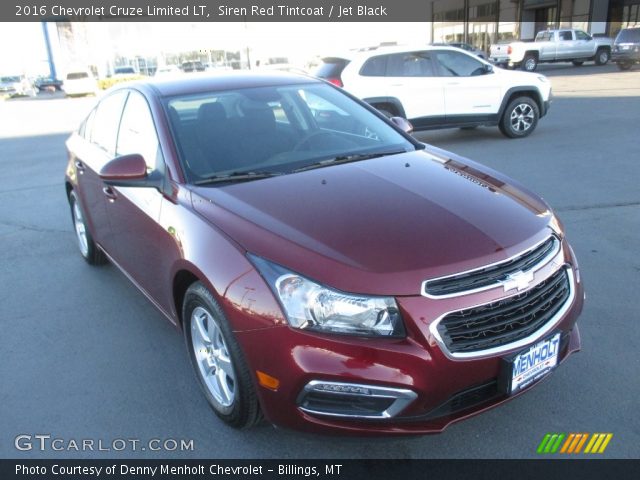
(327, 270)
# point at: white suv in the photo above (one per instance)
(442, 87)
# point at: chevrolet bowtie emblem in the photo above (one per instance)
(519, 280)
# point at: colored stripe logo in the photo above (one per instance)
(571, 443)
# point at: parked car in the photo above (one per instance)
(442, 87)
(17, 86)
(48, 84)
(193, 66)
(563, 45)
(626, 48)
(125, 70)
(464, 46)
(326, 269)
(80, 82)
(168, 70)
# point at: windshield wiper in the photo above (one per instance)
(347, 159)
(237, 177)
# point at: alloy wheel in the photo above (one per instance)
(522, 117)
(212, 357)
(81, 229)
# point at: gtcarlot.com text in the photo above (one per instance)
(48, 442)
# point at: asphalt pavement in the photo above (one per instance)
(86, 356)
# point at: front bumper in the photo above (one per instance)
(444, 389)
(626, 57)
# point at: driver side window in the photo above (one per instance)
(456, 64)
(137, 131)
(580, 35)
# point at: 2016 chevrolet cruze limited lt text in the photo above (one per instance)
(329, 272)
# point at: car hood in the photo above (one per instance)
(380, 226)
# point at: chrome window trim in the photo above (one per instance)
(523, 342)
(403, 397)
(556, 248)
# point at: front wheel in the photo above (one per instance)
(88, 248)
(218, 360)
(624, 66)
(602, 56)
(520, 118)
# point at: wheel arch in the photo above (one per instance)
(523, 91)
(394, 102)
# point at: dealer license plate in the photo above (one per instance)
(534, 363)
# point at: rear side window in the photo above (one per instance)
(544, 37)
(107, 121)
(77, 75)
(87, 126)
(331, 67)
(411, 64)
(375, 67)
(565, 35)
(629, 35)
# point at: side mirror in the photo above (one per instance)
(488, 68)
(130, 171)
(403, 124)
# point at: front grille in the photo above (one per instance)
(505, 321)
(492, 275)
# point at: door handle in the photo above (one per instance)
(110, 193)
(79, 166)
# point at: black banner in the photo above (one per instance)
(215, 11)
(334, 469)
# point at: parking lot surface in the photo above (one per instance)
(86, 356)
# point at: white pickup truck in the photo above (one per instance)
(564, 45)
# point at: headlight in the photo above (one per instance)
(556, 225)
(311, 306)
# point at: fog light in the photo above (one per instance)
(338, 399)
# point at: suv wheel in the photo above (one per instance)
(530, 63)
(88, 249)
(520, 117)
(624, 66)
(602, 56)
(217, 359)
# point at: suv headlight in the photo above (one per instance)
(311, 306)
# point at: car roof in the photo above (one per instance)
(218, 81)
(383, 50)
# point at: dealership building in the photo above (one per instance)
(483, 22)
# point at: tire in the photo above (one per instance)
(530, 63)
(217, 360)
(624, 66)
(577, 63)
(602, 56)
(88, 249)
(520, 118)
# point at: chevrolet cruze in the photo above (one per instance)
(328, 271)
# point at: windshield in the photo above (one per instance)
(630, 35)
(276, 129)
